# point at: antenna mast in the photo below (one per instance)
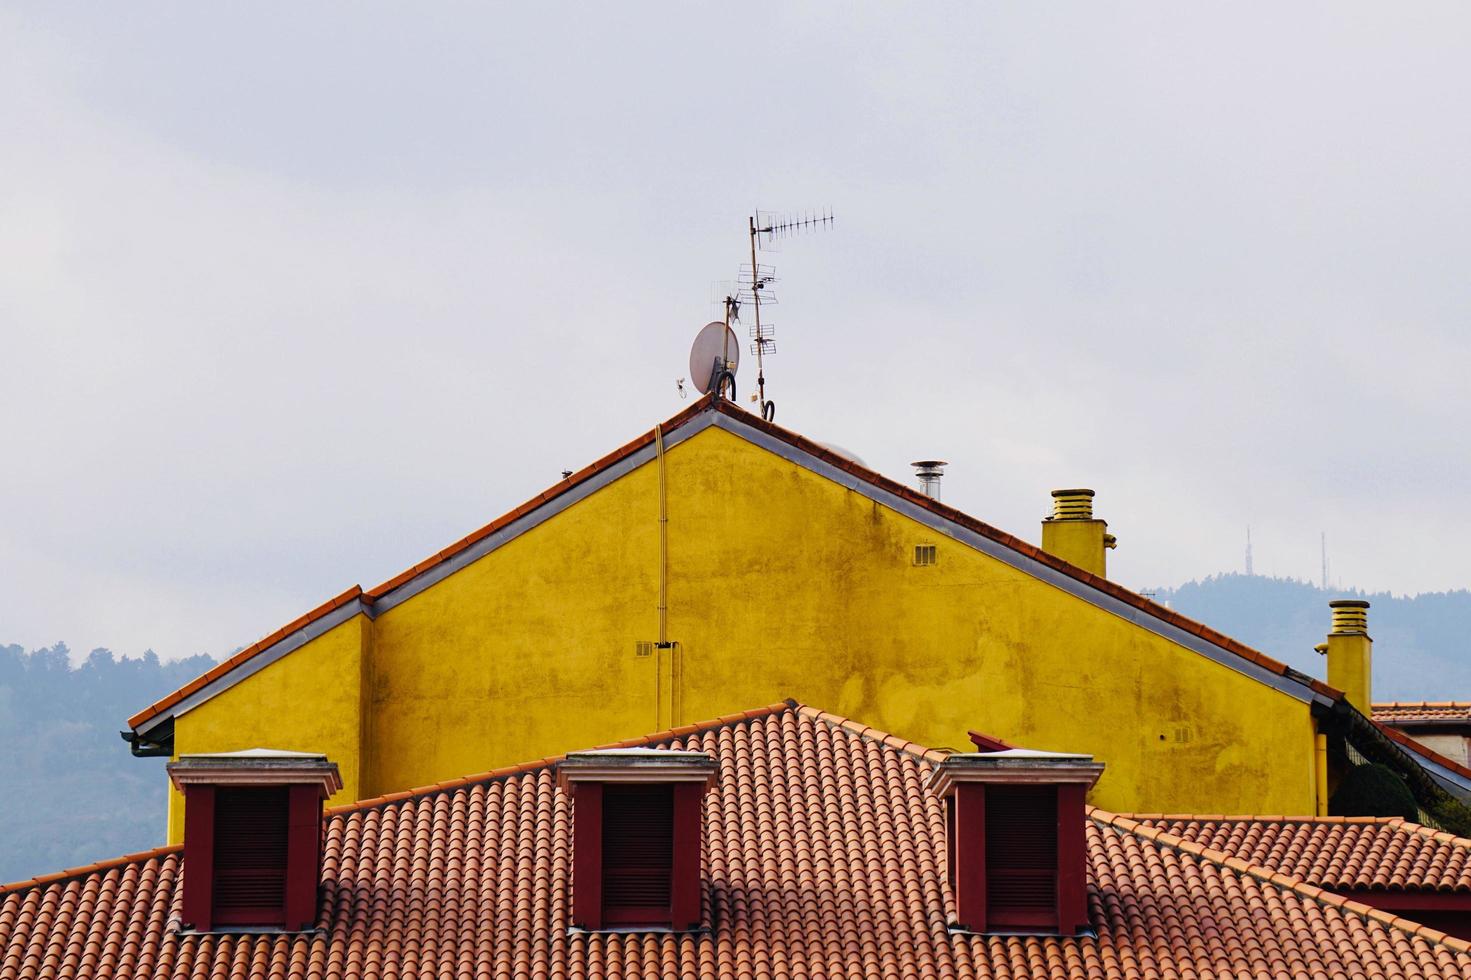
(1323, 542)
(763, 229)
(1248, 551)
(759, 347)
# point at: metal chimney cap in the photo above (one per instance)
(929, 472)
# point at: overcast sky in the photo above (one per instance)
(292, 297)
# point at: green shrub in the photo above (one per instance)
(1453, 815)
(1373, 790)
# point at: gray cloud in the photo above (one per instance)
(291, 298)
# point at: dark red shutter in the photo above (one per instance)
(950, 841)
(1021, 857)
(638, 853)
(250, 840)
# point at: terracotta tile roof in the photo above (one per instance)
(1032, 551)
(710, 403)
(1420, 749)
(225, 666)
(1400, 712)
(1378, 853)
(824, 856)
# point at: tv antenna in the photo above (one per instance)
(1323, 543)
(753, 288)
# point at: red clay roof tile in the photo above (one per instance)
(824, 856)
(1342, 853)
(1399, 712)
(1420, 749)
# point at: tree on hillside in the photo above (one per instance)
(70, 793)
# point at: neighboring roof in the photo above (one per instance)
(718, 411)
(824, 855)
(1448, 773)
(1337, 853)
(1423, 712)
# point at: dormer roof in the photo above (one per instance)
(1015, 766)
(256, 767)
(642, 764)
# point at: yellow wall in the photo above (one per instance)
(1080, 543)
(1351, 667)
(781, 584)
(308, 701)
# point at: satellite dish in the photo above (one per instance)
(845, 453)
(716, 346)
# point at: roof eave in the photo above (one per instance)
(1174, 626)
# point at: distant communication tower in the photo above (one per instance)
(754, 288)
(1248, 551)
(1323, 542)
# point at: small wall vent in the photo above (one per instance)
(643, 648)
(925, 554)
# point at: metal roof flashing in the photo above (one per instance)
(637, 765)
(256, 767)
(1014, 766)
(150, 725)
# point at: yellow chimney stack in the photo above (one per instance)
(1351, 651)
(1073, 535)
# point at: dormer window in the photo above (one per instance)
(1015, 839)
(636, 837)
(253, 838)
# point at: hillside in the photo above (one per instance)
(71, 793)
(1422, 644)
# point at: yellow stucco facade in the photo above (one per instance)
(780, 582)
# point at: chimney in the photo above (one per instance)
(1074, 535)
(1350, 652)
(1014, 824)
(929, 472)
(253, 837)
(636, 832)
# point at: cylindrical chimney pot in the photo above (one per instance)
(1072, 505)
(1350, 615)
(929, 472)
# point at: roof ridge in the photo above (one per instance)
(863, 731)
(1028, 549)
(504, 772)
(1430, 833)
(86, 869)
(555, 490)
(1420, 748)
(230, 663)
(711, 402)
(370, 595)
(1256, 818)
(1286, 882)
(1420, 704)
